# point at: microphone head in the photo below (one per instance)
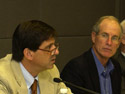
(57, 80)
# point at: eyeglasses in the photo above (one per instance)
(105, 36)
(52, 52)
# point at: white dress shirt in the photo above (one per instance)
(123, 54)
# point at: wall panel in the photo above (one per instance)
(122, 10)
(15, 11)
(71, 17)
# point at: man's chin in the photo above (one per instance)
(107, 56)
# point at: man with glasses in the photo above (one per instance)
(30, 69)
(95, 69)
(120, 56)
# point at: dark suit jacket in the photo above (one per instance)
(121, 59)
(82, 71)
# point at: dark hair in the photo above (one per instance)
(31, 35)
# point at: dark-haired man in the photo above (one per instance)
(31, 63)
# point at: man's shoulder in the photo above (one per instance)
(7, 58)
(5, 62)
(5, 67)
(79, 63)
(6, 75)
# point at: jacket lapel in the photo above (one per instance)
(93, 72)
(19, 77)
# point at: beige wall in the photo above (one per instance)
(73, 20)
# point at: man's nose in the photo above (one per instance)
(57, 51)
(109, 40)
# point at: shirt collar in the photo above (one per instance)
(27, 76)
(100, 67)
(123, 54)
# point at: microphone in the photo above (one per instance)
(58, 80)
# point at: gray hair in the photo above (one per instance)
(97, 24)
(123, 25)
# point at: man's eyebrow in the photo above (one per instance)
(108, 34)
(115, 36)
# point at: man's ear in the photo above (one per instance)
(93, 36)
(28, 54)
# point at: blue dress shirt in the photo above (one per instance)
(104, 75)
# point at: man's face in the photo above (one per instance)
(46, 57)
(106, 42)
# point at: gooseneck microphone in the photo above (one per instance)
(58, 80)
